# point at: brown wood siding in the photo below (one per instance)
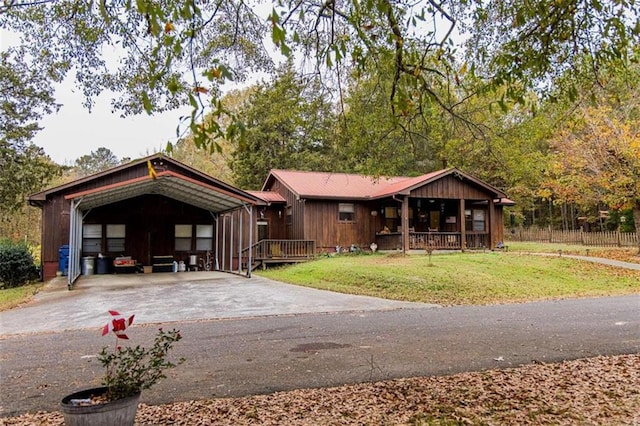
(498, 225)
(323, 225)
(55, 227)
(450, 187)
(274, 216)
(295, 230)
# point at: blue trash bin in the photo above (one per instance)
(63, 259)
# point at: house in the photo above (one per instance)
(148, 213)
(446, 209)
(156, 214)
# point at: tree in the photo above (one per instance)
(99, 160)
(289, 125)
(25, 96)
(216, 163)
(598, 159)
(176, 52)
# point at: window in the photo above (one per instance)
(92, 238)
(478, 220)
(346, 212)
(289, 214)
(391, 212)
(183, 237)
(115, 238)
(204, 237)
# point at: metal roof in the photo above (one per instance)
(268, 196)
(331, 185)
(168, 184)
(352, 186)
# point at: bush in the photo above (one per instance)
(16, 264)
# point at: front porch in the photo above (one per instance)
(272, 251)
(434, 241)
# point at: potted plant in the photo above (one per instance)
(128, 371)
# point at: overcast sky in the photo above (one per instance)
(74, 131)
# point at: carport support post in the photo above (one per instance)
(224, 239)
(75, 242)
(240, 229)
(231, 244)
(250, 246)
(215, 253)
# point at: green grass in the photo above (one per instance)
(534, 247)
(12, 297)
(460, 278)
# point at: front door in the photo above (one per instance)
(434, 220)
(263, 230)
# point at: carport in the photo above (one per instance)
(132, 189)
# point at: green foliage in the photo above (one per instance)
(289, 126)
(16, 264)
(26, 96)
(130, 370)
(99, 160)
(177, 53)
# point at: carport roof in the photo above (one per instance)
(168, 184)
(173, 179)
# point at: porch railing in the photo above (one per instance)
(446, 240)
(280, 251)
(478, 240)
(434, 240)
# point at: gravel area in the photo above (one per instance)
(601, 390)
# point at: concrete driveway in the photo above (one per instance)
(167, 297)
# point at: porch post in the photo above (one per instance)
(463, 226)
(491, 223)
(405, 224)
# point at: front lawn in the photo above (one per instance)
(624, 254)
(12, 297)
(460, 278)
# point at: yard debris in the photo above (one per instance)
(600, 390)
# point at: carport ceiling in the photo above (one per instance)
(168, 184)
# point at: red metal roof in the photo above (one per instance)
(352, 186)
(407, 184)
(268, 196)
(332, 185)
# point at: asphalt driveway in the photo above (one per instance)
(167, 297)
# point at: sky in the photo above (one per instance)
(74, 131)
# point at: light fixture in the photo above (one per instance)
(374, 213)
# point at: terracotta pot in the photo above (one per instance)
(121, 412)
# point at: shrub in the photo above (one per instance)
(16, 264)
